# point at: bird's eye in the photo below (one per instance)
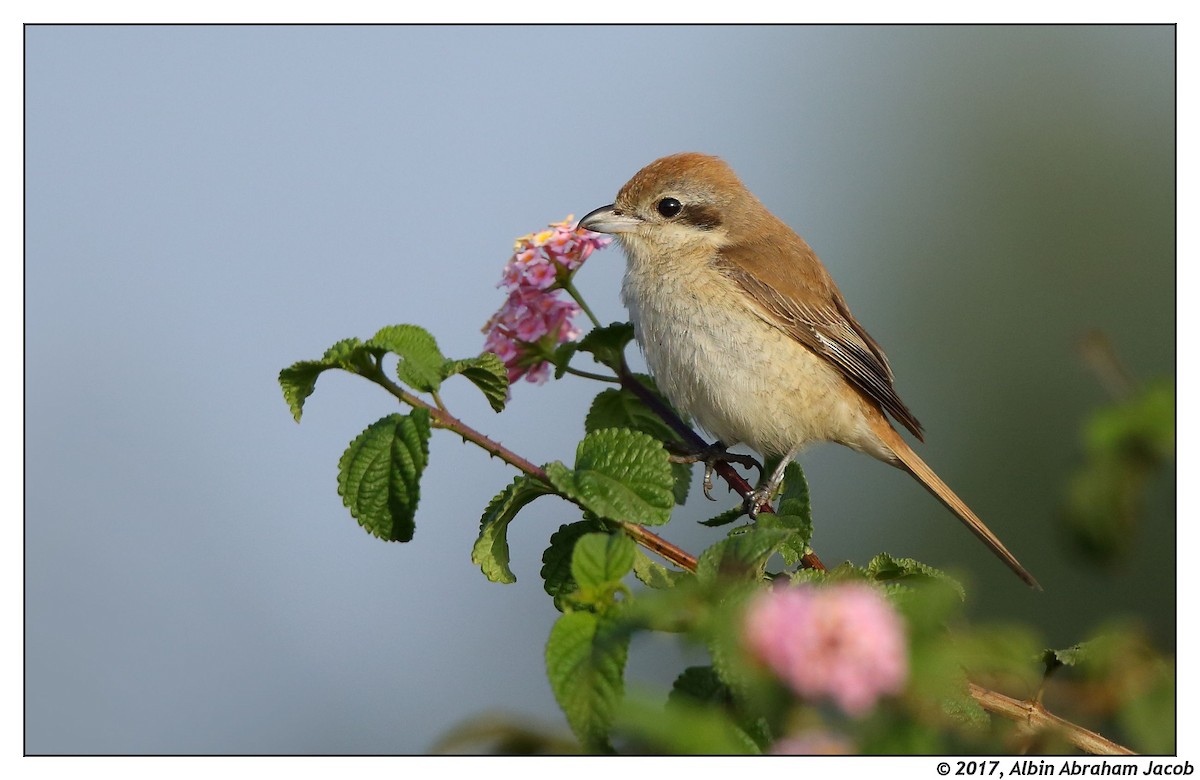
(669, 207)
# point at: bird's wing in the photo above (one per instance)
(801, 299)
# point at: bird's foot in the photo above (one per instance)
(755, 500)
(710, 456)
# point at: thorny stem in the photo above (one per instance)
(440, 418)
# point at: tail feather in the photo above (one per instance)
(913, 464)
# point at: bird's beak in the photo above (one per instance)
(607, 219)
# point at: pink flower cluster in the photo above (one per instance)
(841, 642)
(534, 320)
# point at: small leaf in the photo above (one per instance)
(491, 548)
(725, 518)
(300, 379)
(699, 684)
(421, 362)
(585, 663)
(601, 560)
(487, 372)
(741, 557)
(654, 575)
(886, 569)
(298, 382)
(607, 344)
(349, 354)
(620, 475)
(556, 560)
(379, 475)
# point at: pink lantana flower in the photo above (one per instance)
(840, 642)
(534, 319)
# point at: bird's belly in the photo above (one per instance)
(740, 378)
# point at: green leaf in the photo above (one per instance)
(487, 372)
(300, 379)
(379, 475)
(886, 569)
(421, 363)
(620, 475)
(556, 560)
(491, 548)
(607, 344)
(654, 575)
(741, 557)
(619, 408)
(298, 382)
(699, 684)
(601, 560)
(683, 729)
(793, 514)
(585, 663)
(349, 354)
(725, 518)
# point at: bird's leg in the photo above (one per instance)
(762, 495)
(709, 455)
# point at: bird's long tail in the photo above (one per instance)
(913, 464)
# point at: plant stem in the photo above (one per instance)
(590, 375)
(569, 286)
(1036, 719)
(440, 418)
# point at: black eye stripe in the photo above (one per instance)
(703, 217)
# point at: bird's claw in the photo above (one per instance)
(755, 499)
(710, 456)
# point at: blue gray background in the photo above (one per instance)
(206, 205)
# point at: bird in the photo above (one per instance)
(745, 331)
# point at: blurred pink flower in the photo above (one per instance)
(534, 320)
(813, 743)
(841, 642)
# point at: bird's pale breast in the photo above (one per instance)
(739, 377)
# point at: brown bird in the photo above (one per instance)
(744, 329)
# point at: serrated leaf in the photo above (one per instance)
(585, 663)
(298, 382)
(620, 475)
(699, 684)
(556, 560)
(300, 379)
(421, 362)
(886, 569)
(601, 560)
(490, 552)
(724, 518)
(487, 372)
(654, 575)
(607, 344)
(349, 354)
(379, 475)
(794, 514)
(619, 408)
(741, 557)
